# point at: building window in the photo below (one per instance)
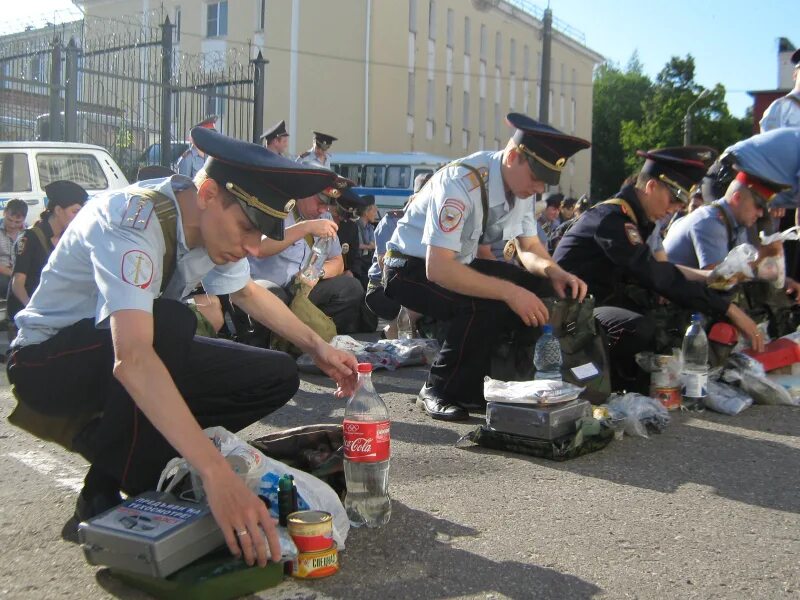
(467, 40)
(562, 112)
(465, 121)
(483, 43)
(526, 65)
(177, 24)
(430, 109)
(450, 27)
(574, 116)
(217, 19)
(37, 68)
(262, 14)
(432, 19)
(498, 50)
(412, 16)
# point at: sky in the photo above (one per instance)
(734, 42)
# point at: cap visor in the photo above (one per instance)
(542, 173)
(267, 225)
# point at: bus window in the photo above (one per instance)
(351, 172)
(418, 172)
(398, 177)
(83, 169)
(373, 175)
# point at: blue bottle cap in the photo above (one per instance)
(547, 328)
(697, 317)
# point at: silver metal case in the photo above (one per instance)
(536, 421)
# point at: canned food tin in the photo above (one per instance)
(670, 397)
(313, 565)
(311, 530)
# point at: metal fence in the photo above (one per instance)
(126, 89)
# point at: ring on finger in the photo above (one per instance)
(242, 532)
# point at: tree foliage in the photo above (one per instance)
(632, 113)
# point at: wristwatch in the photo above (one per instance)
(322, 273)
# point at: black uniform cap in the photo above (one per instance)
(276, 131)
(679, 167)
(553, 199)
(264, 183)
(546, 148)
(324, 138)
(64, 193)
(153, 172)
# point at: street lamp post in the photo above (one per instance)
(687, 119)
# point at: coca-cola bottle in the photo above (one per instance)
(366, 454)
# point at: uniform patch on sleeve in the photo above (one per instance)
(451, 214)
(632, 233)
(21, 245)
(137, 213)
(137, 269)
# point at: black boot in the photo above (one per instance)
(100, 493)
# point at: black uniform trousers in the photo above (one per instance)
(628, 333)
(223, 383)
(475, 323)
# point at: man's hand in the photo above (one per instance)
(563, 281)
(747, 326)
(527, 306)
(242, 516)
(792, 288)
(319, 227)
(777, 213)
(306, 282)
(340, 366)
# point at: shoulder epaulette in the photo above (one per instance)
(137, 213)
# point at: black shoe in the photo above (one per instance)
(91, 506)
(439, 408)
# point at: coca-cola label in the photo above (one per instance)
(366, 441)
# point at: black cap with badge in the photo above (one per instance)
(64, 193)
(264, 183)
(678, 167)
(276, 131)
(323, 140)
(546, 148)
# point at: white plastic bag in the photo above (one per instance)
(538, 391)
(749, 374)
(736, 267)
(261, 474)
(726, 399)
(639, 412)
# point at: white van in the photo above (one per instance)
(27, 167)
(389, 177)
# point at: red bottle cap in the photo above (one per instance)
(364, 367)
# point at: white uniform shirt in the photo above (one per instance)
(313, 160)
(448, 213)
(281, 268)
(783, 112)
(100, 266)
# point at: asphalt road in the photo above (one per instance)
(708, 509)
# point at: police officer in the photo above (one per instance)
(276, 138)
(34, 246)
(431, 264)
(193, 158)
(704, 237)
(785, 112)
(338, 295)
(607, 248)
(106, 361)
(317, 155)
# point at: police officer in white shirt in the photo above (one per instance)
(785, 111)
(317, 155)
(106, 362)
(431, 264)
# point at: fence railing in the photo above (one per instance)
(130, 92)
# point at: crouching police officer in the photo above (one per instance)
(606, 247)
(106, 362)
(431, 267)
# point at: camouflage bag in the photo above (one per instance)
(308, 313)
(762, 301)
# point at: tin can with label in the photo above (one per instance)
(313, 565)
(311, 530)
(665, 383)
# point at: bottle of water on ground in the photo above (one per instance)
(316, 261)
(366, 454)
(547, 355)
(405, 331)
(694, 365)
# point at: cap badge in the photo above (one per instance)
(561, 162)
(289, 206)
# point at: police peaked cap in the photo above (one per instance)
(64, 193)
(324, 138)
(276, 131)
(209, 122)
(681, 166)
(553, 199)
(264, 183)
(546, 148)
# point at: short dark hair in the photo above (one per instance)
(15, 206)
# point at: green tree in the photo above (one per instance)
(618, 96)
(662, 123)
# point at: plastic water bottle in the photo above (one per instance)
(547, 355)
(366, 454)
(316, 261)
(404, 329)
(694, 365)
